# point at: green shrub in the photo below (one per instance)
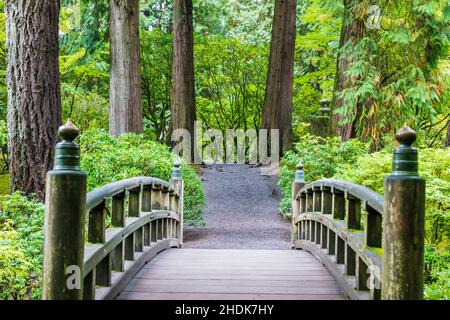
(320, 158)
(440, 289)
(434, 167)
(106, 159)
(21, 243)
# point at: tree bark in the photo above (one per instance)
(125, 114)
(183, 94)
(277, 110)
(353, 30)
(447, 140)
(34, 102)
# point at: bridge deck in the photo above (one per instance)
(200, 274)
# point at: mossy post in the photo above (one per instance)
(297, 184)
(177, 182)
(403, 224)
(65, 203)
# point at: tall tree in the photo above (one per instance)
(352, 31)
(447, 138)
(125, 113)
(34, 102)
(277, 109)
(183, 96)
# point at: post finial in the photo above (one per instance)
(405, 160)
(299, 174)
(67, 153)
(68, 132)
(406, 136)
(176, 172)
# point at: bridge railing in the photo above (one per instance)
(372, 244)
(96, 242)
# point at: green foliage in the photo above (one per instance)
(230, 83)
(437, 274)
(320, 158)
(4, 184)
(396, 74)
(106, 159)
(156, 64)
(434, 167)
(21, 240)
(315, 63)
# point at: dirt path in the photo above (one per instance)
(241, 211)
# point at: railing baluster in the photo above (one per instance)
(165, 198)
(309, 200)
(89, 286)
(324, 236)
(317, 199)
(103, 272)
(134, 202)
(353, 212)
(340, 250)
(153, 230)
(156, 196)
(362, 275)
(146, 198)
(327, 200)
(350, 261)
(331, 242)
(374, 222)
(338, 204)
(129, 247)
(146, 230)
(118, 258)
(318, 229)
(313, 231)
(118, 210)
(139, 240)
(96, 228)
(159, 232)
(303, 203)
(309, 226)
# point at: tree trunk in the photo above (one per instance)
(34, 101)
(183, 94)
(125, 114)
(277, 110)
(353, 30)
(447, 140)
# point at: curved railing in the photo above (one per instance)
(329, 224)
(372, 244)
(145, 218)
(95, 243)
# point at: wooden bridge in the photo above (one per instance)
(355, 243)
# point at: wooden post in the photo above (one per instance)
(64, 221)
(177, 182)
(297, 184)
(403, 224)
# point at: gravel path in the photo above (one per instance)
(241, 211)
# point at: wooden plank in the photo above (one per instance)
(233, 283)
(214, 276)
(271, 273)
(126, 295)
(142, 287)
(233, 274)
